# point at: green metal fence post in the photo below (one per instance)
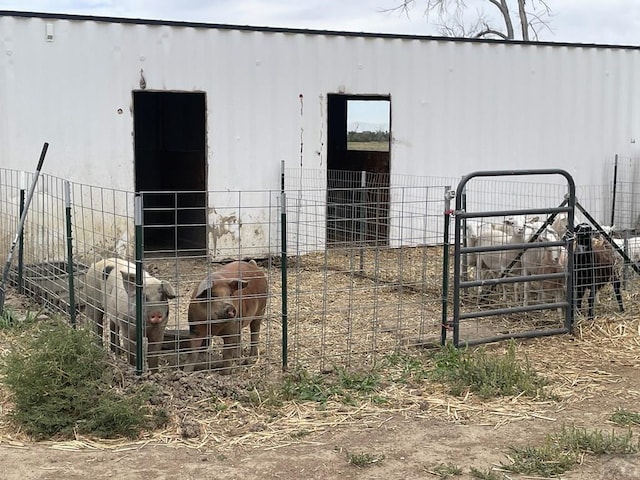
(137, 214)
(21, 247)
(283, 269)
(70, 269)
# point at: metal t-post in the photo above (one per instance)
(70, 272)
(137, 213)
(7, 267)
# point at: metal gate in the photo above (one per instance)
(477, 320)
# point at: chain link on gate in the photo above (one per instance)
(505, 321)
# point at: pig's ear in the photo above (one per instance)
(129, 282)
(167, 289)
(204, 289)
(206, 294)
(106, 272)
(237, 284)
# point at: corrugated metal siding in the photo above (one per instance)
(475, 105)
(456, 106)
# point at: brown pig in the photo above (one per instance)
(228, 299)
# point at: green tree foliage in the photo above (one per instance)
(368, 136)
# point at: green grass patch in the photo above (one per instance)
(485, 474)
(364, 459)
(10, 320)
(369, 146)
(341, 386)
(405, 368)
(625, 418)
(444, 470)
(61, 384)
(488, 375)
(561, 452)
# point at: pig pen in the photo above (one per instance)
(339, 314)
(347, 308)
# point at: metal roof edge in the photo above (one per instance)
(220, 26)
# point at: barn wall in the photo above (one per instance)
(456, 106)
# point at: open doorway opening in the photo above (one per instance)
(358, 168)
(170, 165)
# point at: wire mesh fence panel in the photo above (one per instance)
(104, 243)
(103, 223)
(211, 231)
(39, 269)
(373, 284)
(359, 276)
(624, 196)
(13, 187)
(12, 183)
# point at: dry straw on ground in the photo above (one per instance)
(575, 366)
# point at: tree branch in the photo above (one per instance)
(451, 14)
(490, 31)
(503, 7)
(524, 22)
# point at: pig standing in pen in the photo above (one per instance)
(222, 304)
(111, 298)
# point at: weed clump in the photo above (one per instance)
(61, 385)
(344, 386)
(625, 417)
(487, 375)
(11, 321)
(362, 460)
(562, 451)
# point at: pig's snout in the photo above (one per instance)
(156, 317)
(229, 311)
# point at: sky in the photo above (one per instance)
(614, 22)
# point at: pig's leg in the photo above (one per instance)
(114, 336)
(114, 332)
(232, 346)
(95, 315)
(155, 335)
(255, 337)
(198, 338)
(129, 338)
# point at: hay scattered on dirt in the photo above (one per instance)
(209, 411)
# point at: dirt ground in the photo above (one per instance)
(409, 444)
(590, 375)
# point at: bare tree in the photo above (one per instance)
(532, 16)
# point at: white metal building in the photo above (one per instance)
(151, 105)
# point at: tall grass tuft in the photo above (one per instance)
(60, 381)
(562, 451)
(10, 320)
(487, 375)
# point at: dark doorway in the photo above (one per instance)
(358, 167)
(170, 169)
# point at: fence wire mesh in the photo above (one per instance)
(363, 264)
